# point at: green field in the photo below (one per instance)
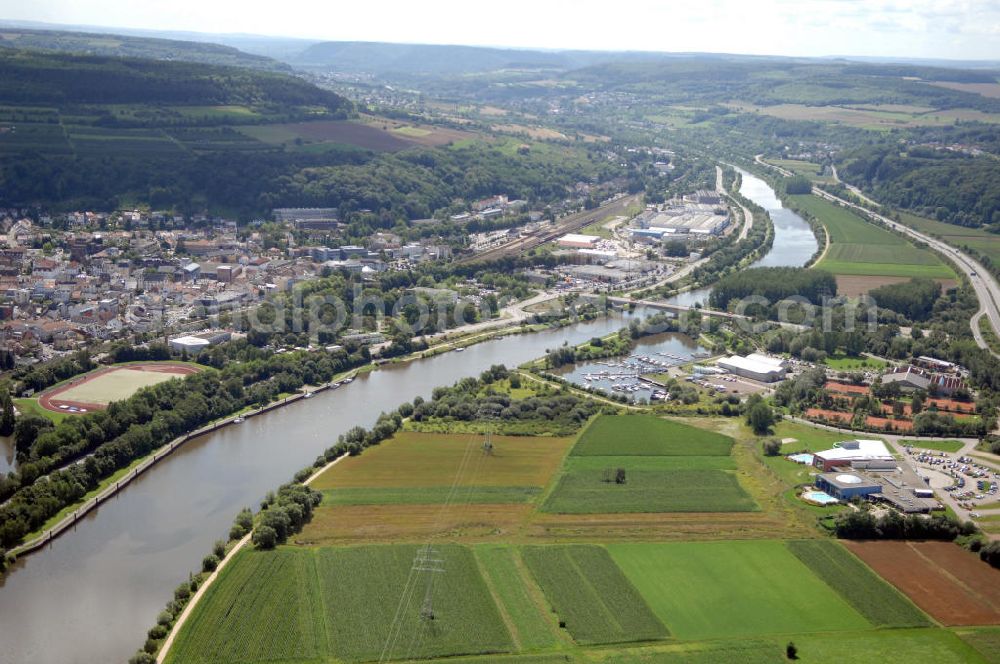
(530, 627)
(650, 462)
(881, 604)
(366, 584)
(298, 605)
(587, 492)
(430, 495)
(858, 247)
(278, 589)
(703, 590)
(648, 435)
(591, 595)
(842, 362)
(907, 645)
(958, 236)
(939, 445)
(984, 639)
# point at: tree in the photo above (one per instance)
(772, 447)
(760, 417)
(26, 431)
(791, 651)
(7, 415)
(264, 537)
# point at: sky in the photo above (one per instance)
(949, 29)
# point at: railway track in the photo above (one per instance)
(573, 222)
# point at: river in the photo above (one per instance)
(90, 596)
(794, 241)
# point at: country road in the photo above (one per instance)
(985, 286)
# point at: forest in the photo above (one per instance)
(775, 284)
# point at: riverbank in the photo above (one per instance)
(207, 583)
(71, 514)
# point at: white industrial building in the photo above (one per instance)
(191, 344)
(860, 453)
(758, 367)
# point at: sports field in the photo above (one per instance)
(858, 247)
(704, 590)
(97, 389)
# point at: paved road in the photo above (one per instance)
(985, 286)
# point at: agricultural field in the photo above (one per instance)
(591, 596)
(648, 435)
(369, 134)
(520, 601)
(950, 584)
(593, 492)
(429, 495)
(343, 605)
(806, 169)
(881, 604)
(703, 590)
(668, 467)
(860, 248)
(959, 236)
(277, 589)
(411, 459)
(868, 116)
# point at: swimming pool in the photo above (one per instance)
(819, 497)
(803, 458)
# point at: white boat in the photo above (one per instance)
(238, 420)
(347, 380)
(459, 350)
(308, 395)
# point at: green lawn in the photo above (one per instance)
(858, 247)
(939, 445)
(429, 495)
(842, 362)
(532, 629)
(871, 596)
(586, 492)
(703, 590)
(30, 406)
(648, 435)
(591, 596)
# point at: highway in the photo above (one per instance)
(985, 286)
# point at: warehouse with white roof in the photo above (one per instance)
(755, 366)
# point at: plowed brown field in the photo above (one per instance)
(949, 583)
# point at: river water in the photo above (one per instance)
(90, 596)
(794, 241)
